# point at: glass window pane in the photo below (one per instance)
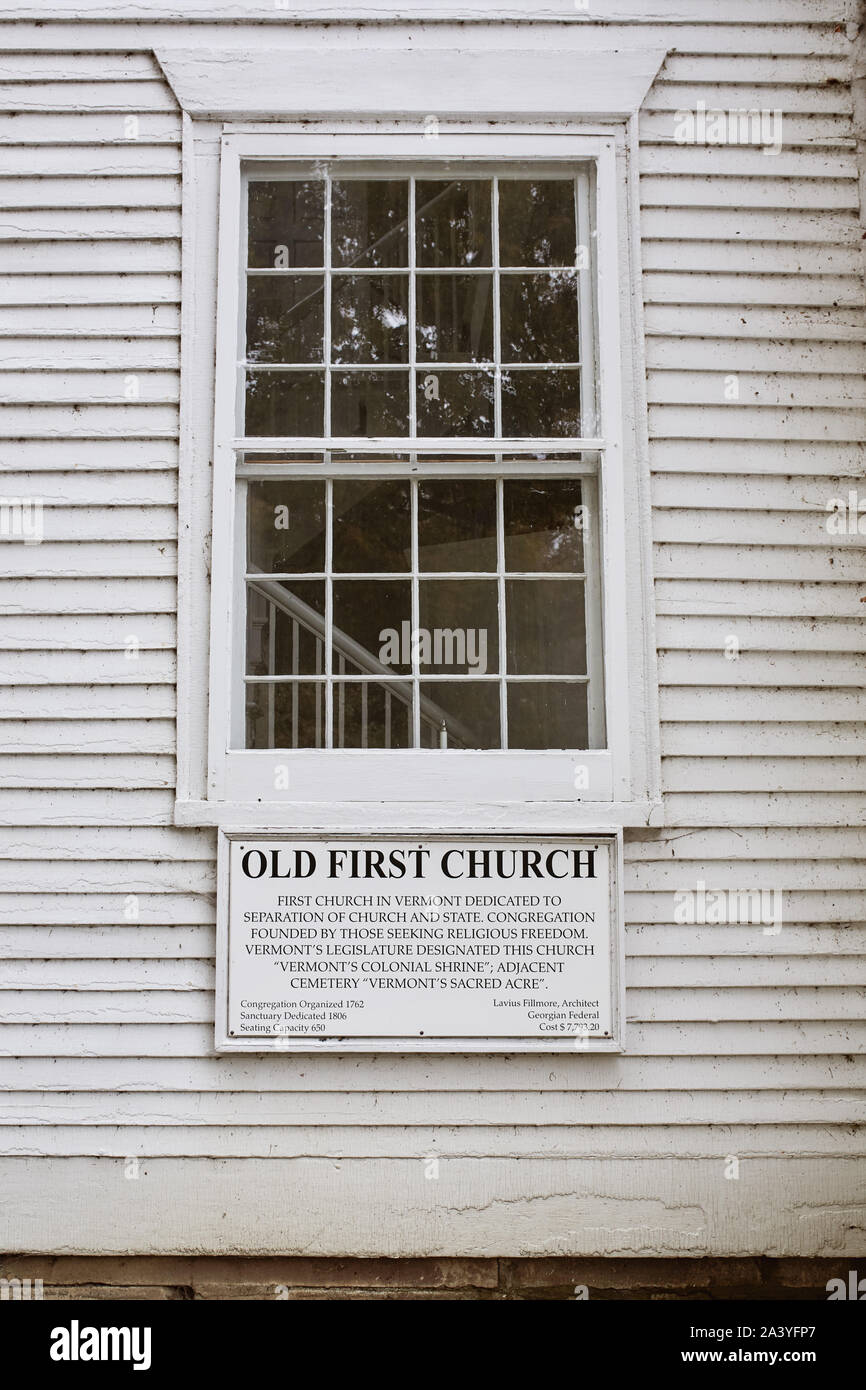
(369, 318)
(469, 711)
(537, 222)
(455, 318)
(369, 618)
(541, 404)
(286, 526)
(285, 404)
(452, 404)
(285, 628)
(369, 222)
(372, 526)
(372, 714)
(286, 714)
(459, 632)
(369, 404)
(453, 222)
(539, 318)
(457, 524)
(285, 318)
(544, 524)
(547, 714)
(286, 222)
(546, 627)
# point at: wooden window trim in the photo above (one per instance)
(535, 790)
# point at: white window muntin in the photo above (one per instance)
(243, 777)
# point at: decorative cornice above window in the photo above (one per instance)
(285, 83)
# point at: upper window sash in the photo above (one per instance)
(560, 154)
(506, 380)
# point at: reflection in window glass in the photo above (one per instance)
(369, 318)
(453, 404)
(369, 404)
(285, 404)
(546, 404)
(453, 222)
(286, 223)
(540, 318)
(544, 524)
(537, 222)
(285, 318)
(448, 308)
(455, 318)
(369, 222)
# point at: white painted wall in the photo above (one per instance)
(738, 1043)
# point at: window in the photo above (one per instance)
(420, 571)
(452, 602)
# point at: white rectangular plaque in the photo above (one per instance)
(426, 940)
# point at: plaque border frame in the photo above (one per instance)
(224, 1043)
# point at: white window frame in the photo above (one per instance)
(535, 788)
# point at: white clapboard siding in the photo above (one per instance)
(709, 633)
(831, 229)
(71, 702)
(801, 131)
(89, 876)
(372, 1109)
(594, 1151)
(753, 494)
(40, 224)
(132, 666)
(81, 559)
(799, 740)
(89, 489)
(411, 1073)
(732, 1038)
(94, 632)
(89, 735)
(109, 842)
(91, 596)
(138, 321)
(109, 353)
(769, 600)
(681, 561)
(117, 192)
(89, 128)
(97, 95)
(740, 1039)
(812, 321)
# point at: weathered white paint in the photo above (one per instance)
(737, 1042)
(280, 84)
